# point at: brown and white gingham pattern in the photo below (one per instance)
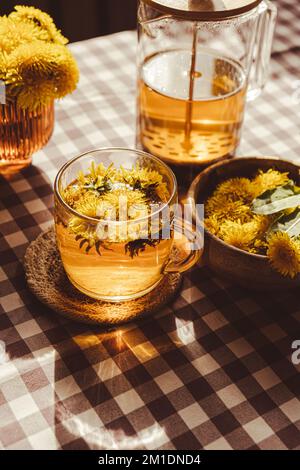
(288, 26)
(213, 370)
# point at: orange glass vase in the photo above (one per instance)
(22, 133)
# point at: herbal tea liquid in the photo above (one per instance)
(216, 111)
(114, 273)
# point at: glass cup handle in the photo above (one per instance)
(187, 248)
(262, 49)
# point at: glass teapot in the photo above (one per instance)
(198, 63)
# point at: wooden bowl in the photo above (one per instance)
(246, 269)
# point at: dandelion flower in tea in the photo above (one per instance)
(111, 244)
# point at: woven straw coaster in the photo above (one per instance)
(48, 281)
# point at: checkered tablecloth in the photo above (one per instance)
(213, 370)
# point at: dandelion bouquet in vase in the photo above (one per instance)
(36, 68)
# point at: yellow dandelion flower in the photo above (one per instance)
(37, 72)
(215, 203)
(263, 224)
(66, 73)
(212, 224)
(4, 65)
(72, 194)
(97, 170)
(270, 179)
(239, 235)
(97, 174)
(229, 215)
(87, 204)
(260, 246)
(237, 189)
(224, 208)
(83, 229)
(106, 194)
(34, 17)
(284, 254)
(129, 202)
(39, 94)
(142, 174)
(14, 34)
(81, 178)
(145, 178)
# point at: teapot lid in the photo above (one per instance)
(203, 10)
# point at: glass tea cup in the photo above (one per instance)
(110, 256)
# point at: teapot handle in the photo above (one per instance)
(262, 49)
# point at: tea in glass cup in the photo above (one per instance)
(115, 223)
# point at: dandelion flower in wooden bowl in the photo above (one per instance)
(252, 221)
(284, 254)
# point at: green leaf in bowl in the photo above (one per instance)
(288, 223)
(276, 200)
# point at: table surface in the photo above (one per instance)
(214, 369)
